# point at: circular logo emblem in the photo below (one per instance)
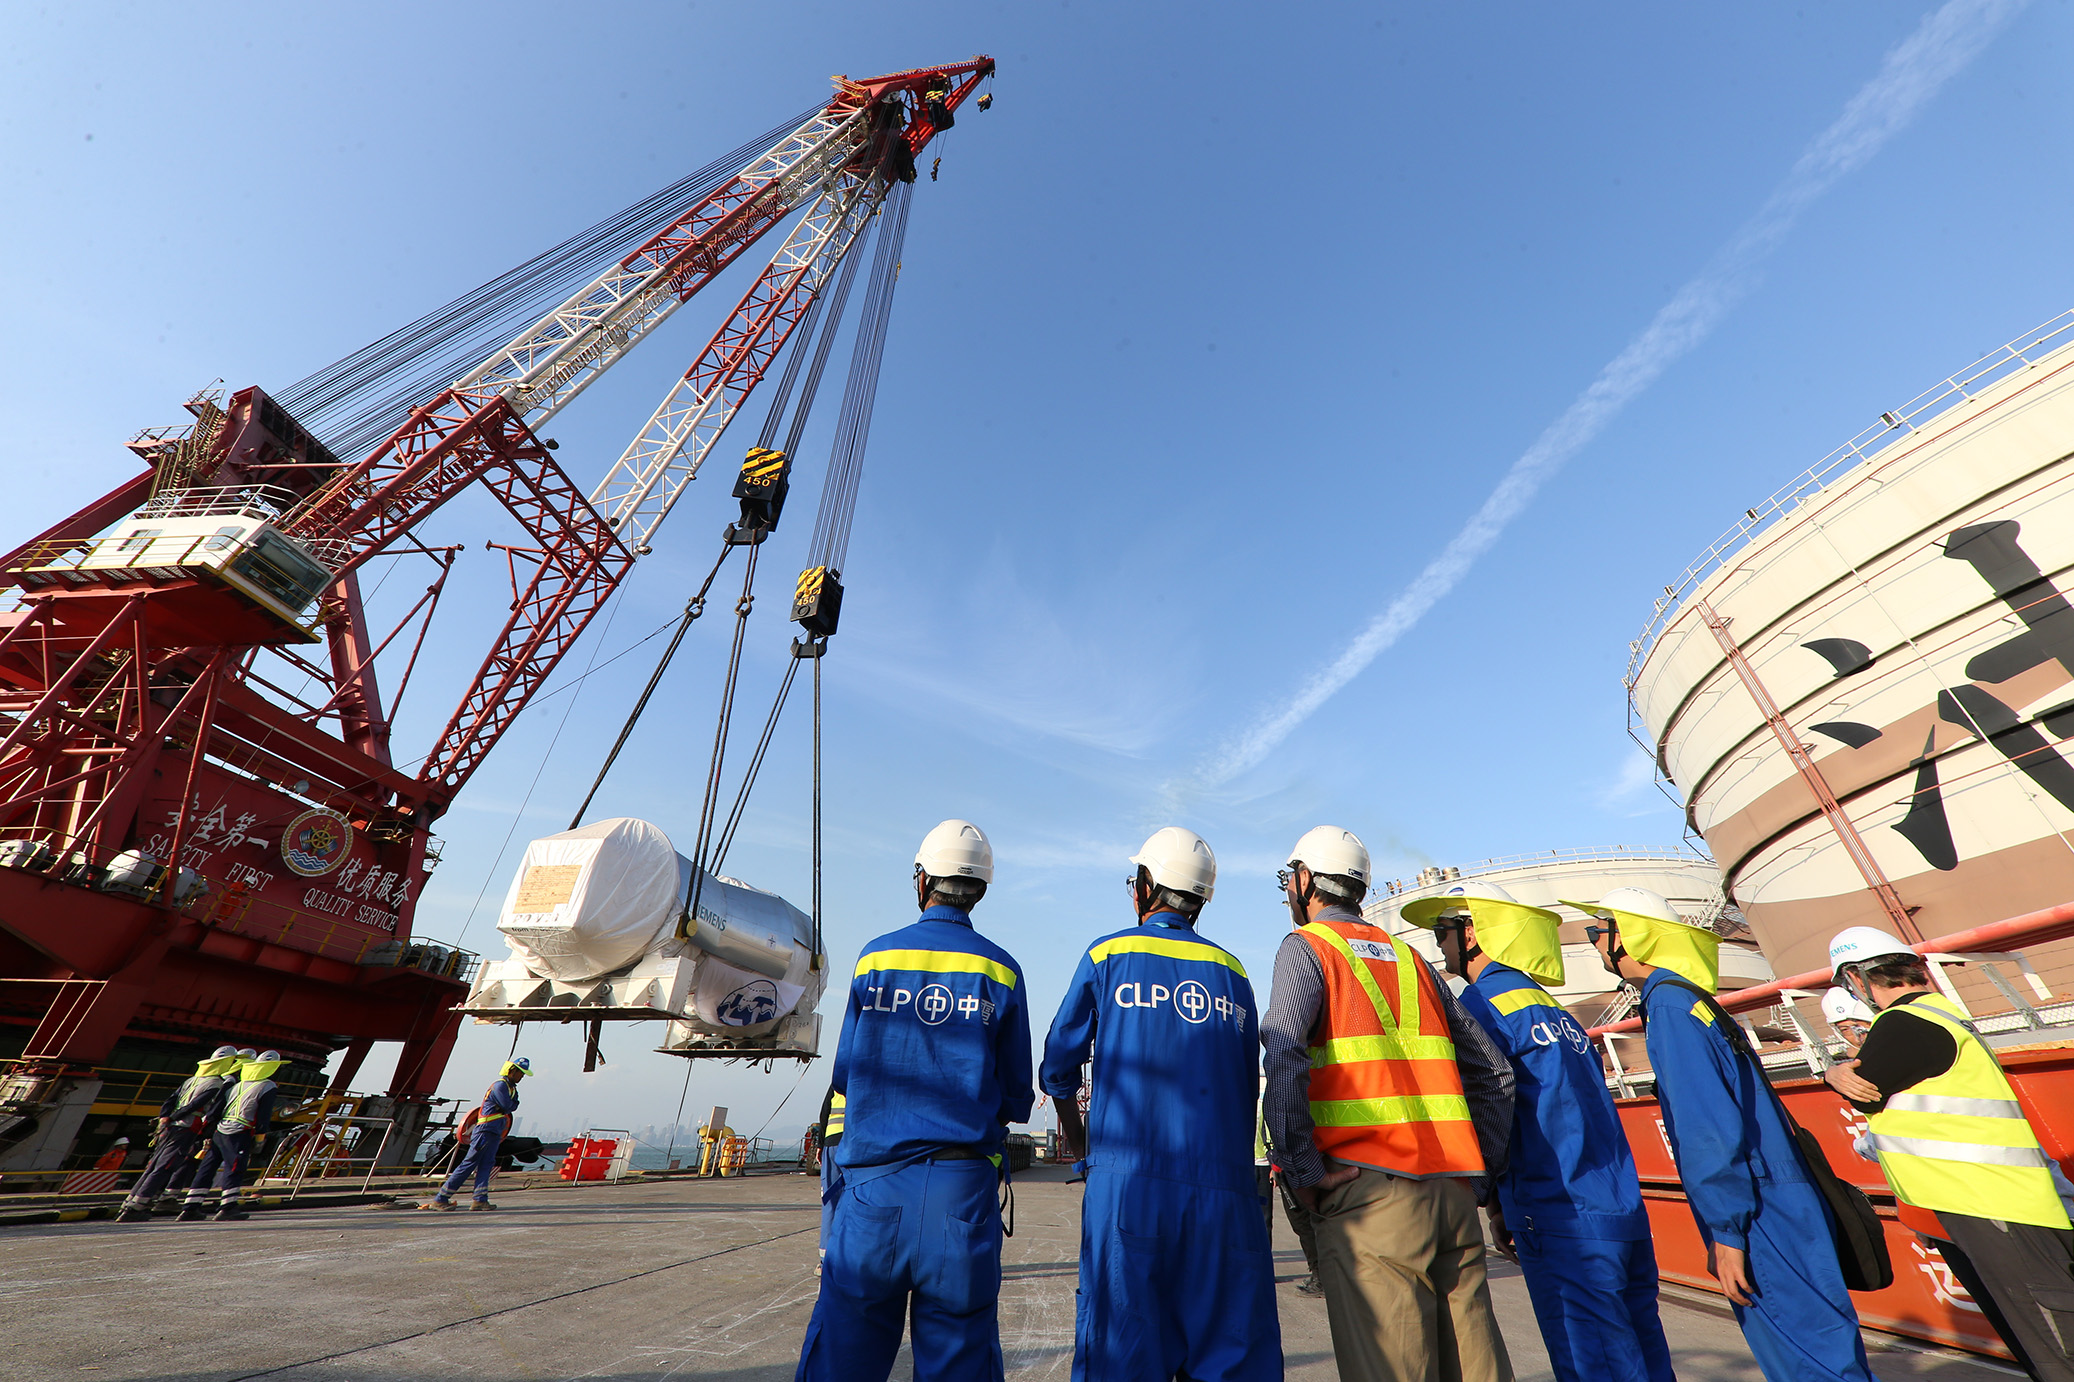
(1574, 1035)
(316, 842)
(934, 1004)
(1192, 1001)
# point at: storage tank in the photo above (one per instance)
(1901, 606)
(1685, 877)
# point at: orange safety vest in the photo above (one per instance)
(1385, 1089)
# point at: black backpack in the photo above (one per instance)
(1861, 1243)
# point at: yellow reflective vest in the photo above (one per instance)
(1959, 1142)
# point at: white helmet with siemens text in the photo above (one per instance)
(1854, 945)
(1329, 849)
(1179, 859)
(956, 849)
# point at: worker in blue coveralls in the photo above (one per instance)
(934, 1064)
(1176, 1277)
(1770, 1238)
(492, 1121)
(1569, 1206)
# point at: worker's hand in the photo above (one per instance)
(1844, 1078)
(1731, 1267)
(1309, 1195)
(1501, 1234)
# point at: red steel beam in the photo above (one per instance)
(1804, 763)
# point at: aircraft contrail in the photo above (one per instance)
(1915, 69)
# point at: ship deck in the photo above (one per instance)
(639, 1280)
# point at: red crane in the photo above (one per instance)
(189, 850)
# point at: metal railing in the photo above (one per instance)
(327, 1148)
(2021, 353)
(1985, 948)
(336, 937)
(263, 502)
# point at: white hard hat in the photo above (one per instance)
(1329, 849)
(1179, 859)
(1654, 934)
(1855, 944)
(1640, 902)
(956, 849)
(1839, 1005)
(1455, 899)
(1507, 930)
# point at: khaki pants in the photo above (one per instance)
(1402, 1264)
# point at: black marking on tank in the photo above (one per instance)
(1844, 655)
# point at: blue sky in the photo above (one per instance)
(1210, 338)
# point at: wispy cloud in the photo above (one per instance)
(1913, 72)
(1034, 663)
(1637, 774)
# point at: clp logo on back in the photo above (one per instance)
(1190, 999)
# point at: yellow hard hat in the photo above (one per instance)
(1655, 934)
(1507, 930)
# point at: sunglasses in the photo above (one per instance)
(1596, 930)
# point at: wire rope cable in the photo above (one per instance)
(831, 541)
(362, 397)
(693, 608)
(710, 800)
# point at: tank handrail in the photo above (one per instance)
(1960, 387)
(1610, 854)
(2032, 928)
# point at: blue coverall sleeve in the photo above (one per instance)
(1696, 1084)
(839, 1075)
(502, 1098)
(1012, 1057)
(1072, 1033)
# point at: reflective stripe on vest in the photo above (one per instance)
(1959, 1142)
(1385, 1090)
(833, 1128)
(244, 1102)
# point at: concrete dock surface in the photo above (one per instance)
(679, 1279)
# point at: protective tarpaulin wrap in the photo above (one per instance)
(596, 922)
(592, 900)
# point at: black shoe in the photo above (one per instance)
(193, 1213)
(229, 1213)
(1309, 1286)
(133, 1214)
